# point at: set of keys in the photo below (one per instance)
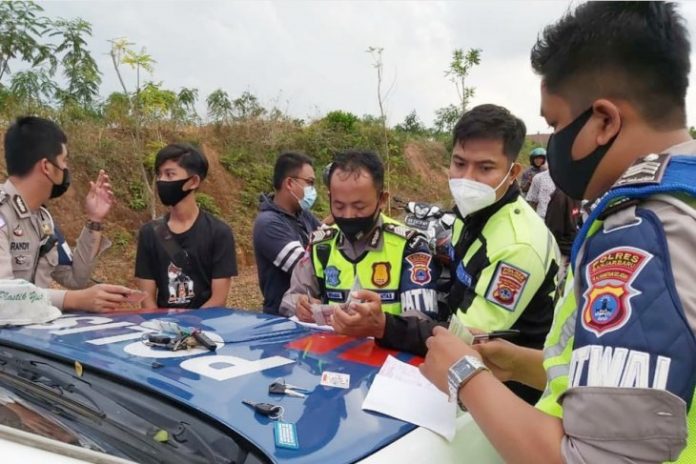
(285, 433)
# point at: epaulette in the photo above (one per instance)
(323, 234)
(400, 230)
(646, 170)
(3, 196)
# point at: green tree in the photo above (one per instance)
(79, 68)
(33, 90)
(21, 36)
(446, 117)
(411, 125)
(459, 68)
(187, 98)
(220, 108)
(247, 106)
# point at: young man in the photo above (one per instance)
(537, 162)
(32, 246)
(381, 254)
(621, 356)
(503, 258)
(283, 226)
(186, 258)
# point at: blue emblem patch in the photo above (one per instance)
(332, 276)
(605, 308)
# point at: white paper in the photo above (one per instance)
(312, 325)
(400, 391)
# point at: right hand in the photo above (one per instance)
(303, 308)
(99, 298)
(500, 356)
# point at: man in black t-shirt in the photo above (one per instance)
(186, 258)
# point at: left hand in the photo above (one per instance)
(367, 320)
(100, 198)
(444, 349)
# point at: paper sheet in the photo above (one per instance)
(327, 328)
(399, 390)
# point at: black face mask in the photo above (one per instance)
(569, 175)
(171, 192)
(356, 228)
(59, 189)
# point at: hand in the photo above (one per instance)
(99, 298)
(303, 308)
(444, 349)
(367, 318)
(500, 356)
(99, 199)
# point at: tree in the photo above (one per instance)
(411, 124)
(446, 117)
(219, 106)
(79, 68)
(378, 64)
(33, 90)
(21, 31)
(187, 98)
(458, 71)
(247, 106)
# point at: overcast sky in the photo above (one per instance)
(309, 57)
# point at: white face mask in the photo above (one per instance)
(471, 196)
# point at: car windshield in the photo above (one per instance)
(61, 401)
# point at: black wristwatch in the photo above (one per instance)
(95, 226)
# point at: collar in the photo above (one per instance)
(371, 242)
(18, 203)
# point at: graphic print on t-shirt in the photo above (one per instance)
(180, 286)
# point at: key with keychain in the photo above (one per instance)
(284, 433)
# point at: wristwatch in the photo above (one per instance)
(94, 226)
(460, 373)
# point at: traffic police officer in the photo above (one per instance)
(32, 247)
(620, 359)
(364, 246)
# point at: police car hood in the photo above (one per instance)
(253, 350)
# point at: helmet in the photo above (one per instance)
(538, 152)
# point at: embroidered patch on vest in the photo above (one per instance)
(608, 296)
(420, 268)
(333, 276)
(381, 274)
(507, 286)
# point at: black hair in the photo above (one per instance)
(288, 164)
(185, 155)
(637, 51)
(29, 140)
(354, 161)
(491, 122)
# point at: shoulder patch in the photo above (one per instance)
(402, 231)
(507, 285)
(646, 170)
(3, 196)
(420, 268)
(323, 234)
(20, 206)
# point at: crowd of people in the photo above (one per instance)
(604, 365)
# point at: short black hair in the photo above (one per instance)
(353, 161)
(491, 122)
(185, 155)
(29, 140)
(637, 51)
(288, 164)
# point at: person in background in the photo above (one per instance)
(283, 226)
(540, 192)
(537, 164)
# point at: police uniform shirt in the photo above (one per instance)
(417, 295)
(612, 398)
(33, 248)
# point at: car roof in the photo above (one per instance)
(253, 350)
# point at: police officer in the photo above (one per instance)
(31, 245)
(503, 257)
(364, 246)
(620, 360)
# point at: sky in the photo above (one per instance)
(309, 57)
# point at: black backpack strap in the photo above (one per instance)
(176, 253)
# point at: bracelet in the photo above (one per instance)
(94, 226)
